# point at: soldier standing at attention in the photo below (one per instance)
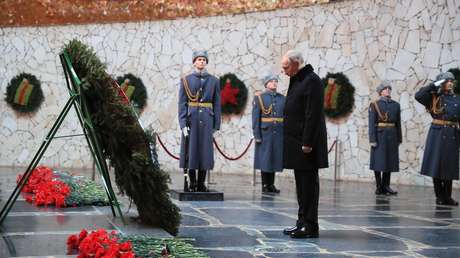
(267, 125)
(440, 158)
(385, 137)
(199, 117)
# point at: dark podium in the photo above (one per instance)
(212, 195)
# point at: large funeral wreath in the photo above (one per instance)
(24, 93)
(129, 147)
(339, 97)
(234, 94)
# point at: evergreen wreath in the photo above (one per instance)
(24, 93)
(134, 89)
(131, 150)
(339, 97)
(234, 94)
(456, 73)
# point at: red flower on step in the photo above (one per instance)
(46, 189)
(228, 94)
(99, 244)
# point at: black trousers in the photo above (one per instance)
(307, 187)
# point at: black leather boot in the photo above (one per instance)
(438, 191)
(386, 178)
(192, 180)
(264, 177)
(448, 194)
(201, 187)
(271, 183)
(378, 183)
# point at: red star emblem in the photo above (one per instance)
(228, 94)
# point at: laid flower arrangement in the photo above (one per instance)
(46, 187)
(100, 243)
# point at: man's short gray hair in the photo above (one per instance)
(295, 56)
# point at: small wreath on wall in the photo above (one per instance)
(339, 97)
(24, 93)
(234, 94)
(134, 89)
(456, 73)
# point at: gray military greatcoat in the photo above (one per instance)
(385, 131)
(267, 126)
(440, 158)
(200, 110)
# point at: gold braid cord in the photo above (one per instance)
(383, 118)
(190, 96)
(262, 107)
(436, 107)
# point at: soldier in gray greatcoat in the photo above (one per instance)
(199, 116)
(267, 125)
(440, 158)
(385, 137)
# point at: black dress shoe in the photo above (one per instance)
(288, 231)
(273, 189)
(305, 233)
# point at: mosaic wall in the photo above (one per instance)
(407, 42)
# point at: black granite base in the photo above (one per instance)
(212, 195)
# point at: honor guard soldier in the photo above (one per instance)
(267, 126)
(385, 137)
(440, 158)
(199, 116)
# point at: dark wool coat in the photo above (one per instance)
(304, 122)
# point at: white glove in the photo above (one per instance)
(373, 144)
(185, 131)
(438, 83)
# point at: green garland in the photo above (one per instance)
(124, 141)
(456, 73)
(24, 93)
(134, 89)
(240, 98)
(150, 247)
(339, 97)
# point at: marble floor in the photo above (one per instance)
(353, 222)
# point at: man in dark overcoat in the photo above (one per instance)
(440, 158)
(267, 127)
(384, 137)
(199, 116)
(305, 140)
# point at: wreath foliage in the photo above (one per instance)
(339, 97)
(24, 93)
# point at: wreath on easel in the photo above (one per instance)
(233, 93)
(24, 93)
(134, 89)
(456, 73)
(339, 97)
